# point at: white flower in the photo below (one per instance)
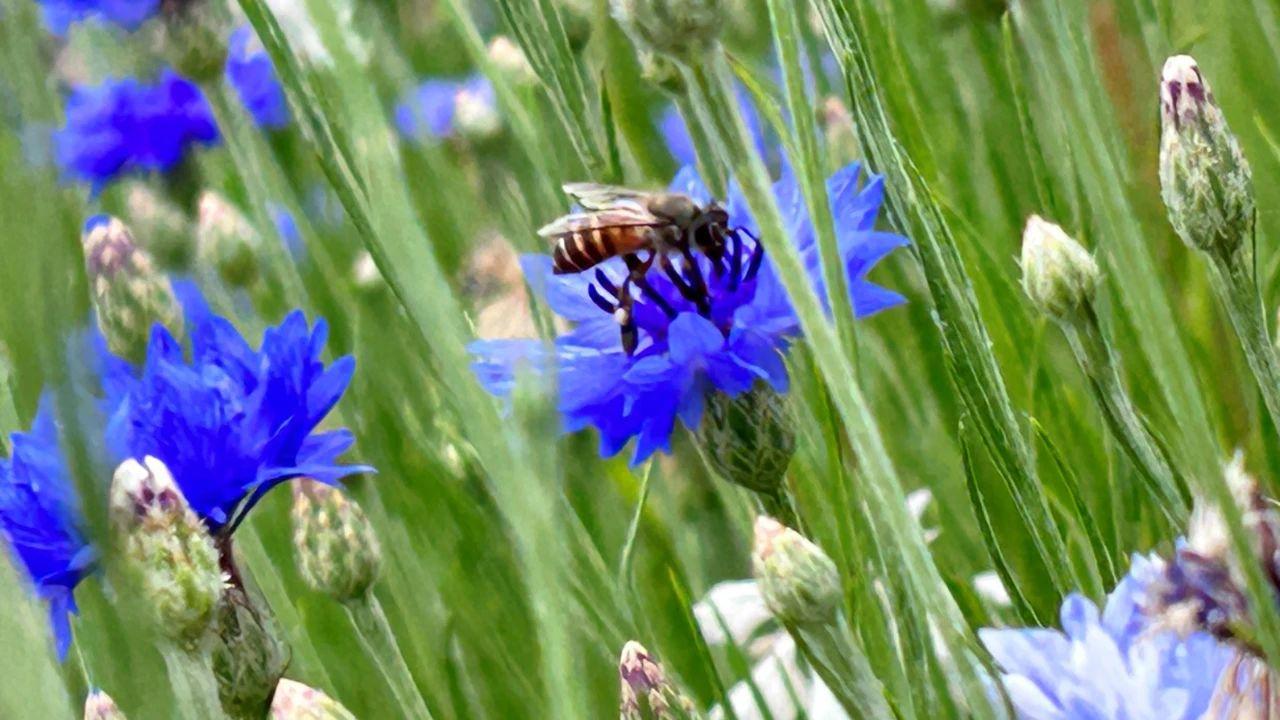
(735, 611)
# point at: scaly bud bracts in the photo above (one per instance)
(99, 706)
(682, 29)
(295, 701)
(749, 439)
(167, 547)
(646, 693)
(226, 241)
(338, 552)
(1205, 181)
(129, 295)
(249, 654)
(800, 584)
(1058, 275)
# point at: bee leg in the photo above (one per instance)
(696, 284)
(686, 287)
(626, 318)
(637, 276)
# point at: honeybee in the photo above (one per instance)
(620, 221)
(626, 223)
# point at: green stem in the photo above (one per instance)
(716, 109)
(830, 649)
(709, 167)
(191, 675)
(1232, 279)
(629, 547)
(380, 643)
(1097, 359)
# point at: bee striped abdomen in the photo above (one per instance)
(585, 247)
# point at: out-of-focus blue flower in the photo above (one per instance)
(122, 126)
(287, 229)
(676, 134)
(233, 422)
(437, 108)
(39, 515)
(59, 15)
(254, 78)
(1112, 664)
(684, 353)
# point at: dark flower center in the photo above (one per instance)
(737, 262)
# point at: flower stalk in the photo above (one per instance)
(1061, 279)
(802, 589)
(374, 631)
(714, 104)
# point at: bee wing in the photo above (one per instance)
(613, 217)
(594, 196)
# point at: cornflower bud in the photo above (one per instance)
(249, 654)
(226, 242)
(167, 547)
(646, 693)
(338, 552)
(800, 584)
(682, 29)
(1058, 275)
(1204, 178)
(193, 37)
(99, 706)
(129, 294)
(295, 701)
(749, 439)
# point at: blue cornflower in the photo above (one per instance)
(443, 108)
(40, 517)
(1113, 664)
(251, 73)
(233, 422)
(59, 15)
(735, 339)
(122, 126)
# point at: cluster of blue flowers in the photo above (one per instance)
(230, 422)
(128, 125)
(684, 352)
